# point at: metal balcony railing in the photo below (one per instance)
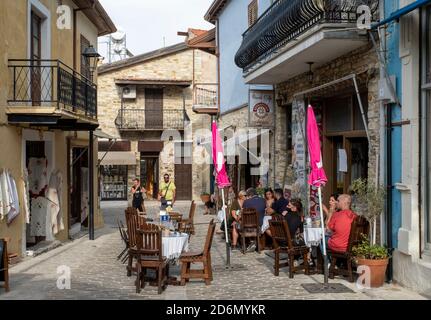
(205, 95)
(149, 119)
(285, 20)
(47, 83)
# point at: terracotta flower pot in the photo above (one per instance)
(205, 198)
(377, 270)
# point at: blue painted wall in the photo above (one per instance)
(233, 22)
(394, 68)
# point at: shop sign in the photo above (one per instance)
(261, 108)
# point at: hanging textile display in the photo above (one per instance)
(9, 200)
(26, 196)
(14, 211)
(39, 213)
(84, 194)
(54, 207)
(38, 176)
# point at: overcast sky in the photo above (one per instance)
(146, 22)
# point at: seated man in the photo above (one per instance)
(340, 225)
(258, 203)
(278, 207)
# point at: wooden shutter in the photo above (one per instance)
(252, 12)
(154, 109)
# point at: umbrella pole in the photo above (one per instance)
(322, 225)
(225, 230)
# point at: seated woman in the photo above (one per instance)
(293, 216)
(333, 201)
(235, 218)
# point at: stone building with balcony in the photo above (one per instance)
(313, 52)
(146, 103)
(48, 116)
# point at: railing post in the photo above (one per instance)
(74, 91)
(59, 97)
(14, 83)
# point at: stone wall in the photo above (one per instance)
(176, 66)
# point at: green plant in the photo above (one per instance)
(368, 201)
(260, 192)
(364, 250)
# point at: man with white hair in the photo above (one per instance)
(340, 224)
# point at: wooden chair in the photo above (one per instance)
(249, 227)
(4, 264)
(187, 225)
(133, 221)
(359, 226)
(203, 257)
(150, 256)
(125, 239)
(282, 242)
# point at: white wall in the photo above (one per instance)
(233, 22)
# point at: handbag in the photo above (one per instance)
(163, 199)
(220, 216)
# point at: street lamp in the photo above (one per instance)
(93, 57)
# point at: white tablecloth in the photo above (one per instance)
(312, 236)
(173, 246)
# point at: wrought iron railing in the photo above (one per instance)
(44, 83)
(149, 119)
(205, 95)
(285, 20)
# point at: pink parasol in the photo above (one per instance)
(317, 176)
(218, 158)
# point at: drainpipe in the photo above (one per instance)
(218, 64)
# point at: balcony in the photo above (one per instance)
(48, 92)
(205, 98)
(137, 119)
(292, 32)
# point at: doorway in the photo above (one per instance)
(349, 161)
(150, 175)
(79, 188)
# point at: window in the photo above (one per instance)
(85, 61)
(252, 12)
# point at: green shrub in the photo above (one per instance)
(372, 252)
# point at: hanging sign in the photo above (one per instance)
(261, 108)
(300, 187)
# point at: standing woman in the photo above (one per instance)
(138, 195)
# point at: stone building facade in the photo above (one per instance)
(173, 72)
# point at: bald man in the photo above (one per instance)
(340, 224)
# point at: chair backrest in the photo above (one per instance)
(210, 236)
(249, 218)
(192, 211)
(359, 226)
(121, 229)
(149, 240)
(132, 225)
(280, 232)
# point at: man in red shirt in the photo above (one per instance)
(340, 225)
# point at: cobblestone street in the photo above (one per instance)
(96, 273)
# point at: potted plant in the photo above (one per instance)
(375, 258)
(369, 202)
(205, 197)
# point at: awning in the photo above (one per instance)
(401, 12)
(117, 158)
(102, 135)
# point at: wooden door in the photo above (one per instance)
(183, 181)
(35, 64)
(154, 109)
(150, 175)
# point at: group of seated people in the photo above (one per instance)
(338, 217)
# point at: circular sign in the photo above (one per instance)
(261, 110)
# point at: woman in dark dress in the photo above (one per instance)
(138, 195)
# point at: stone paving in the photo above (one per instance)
(96, 273)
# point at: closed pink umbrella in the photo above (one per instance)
(317, 176)
(221, 177)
